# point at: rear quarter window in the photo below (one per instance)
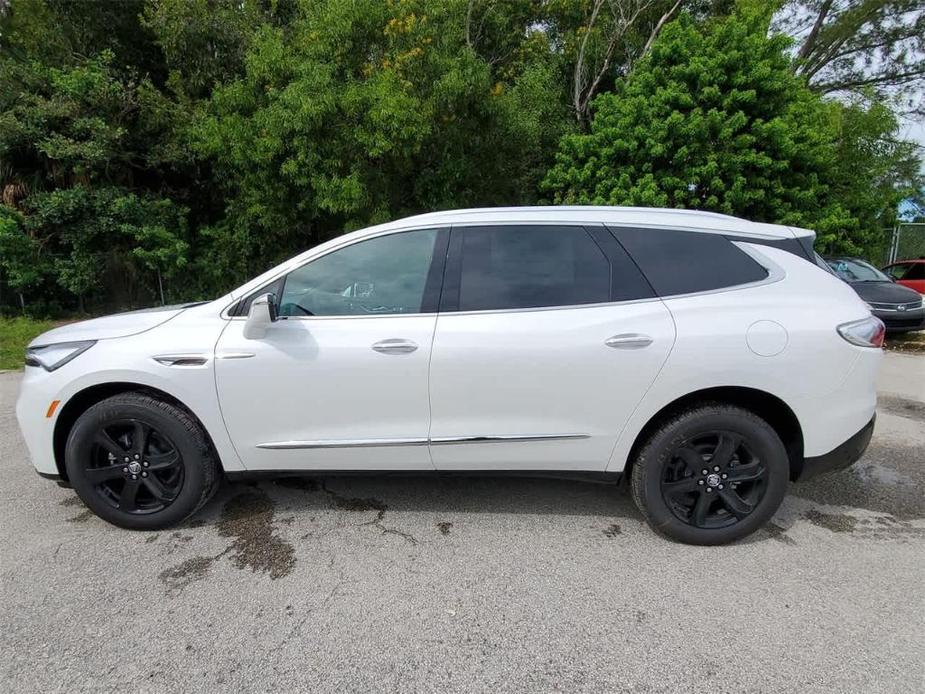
(685, 262)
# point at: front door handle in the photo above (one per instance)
(628, 341)
(395, 346)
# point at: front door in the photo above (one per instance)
(340, 380)
(548, 338)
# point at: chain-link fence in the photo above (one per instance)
(908, 242)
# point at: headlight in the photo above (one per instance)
(51, 357)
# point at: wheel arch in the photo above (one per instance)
(769, 407)
(78, 403)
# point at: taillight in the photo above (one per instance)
(867, 332)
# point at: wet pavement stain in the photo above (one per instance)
(71, 501)
(81, 517)
(902, 407)
(836, 522)
(356, 505)
(179, 577)
(151, 538)
(248, 518)
(613, 530)
(778, 533)
(444, 527)
(305, 484)
(889, 480)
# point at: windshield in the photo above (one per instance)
(852, 270)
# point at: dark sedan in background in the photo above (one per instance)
(900, 308)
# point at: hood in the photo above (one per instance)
(107, 327)
(885, 292)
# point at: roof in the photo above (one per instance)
(688, 220)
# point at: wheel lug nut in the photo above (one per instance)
(125, 469)
(146, 464)
(145, 474)
(134, 477)
(137, 456)
(704, 471)
(720, 486)
(724, 475)
(715, 467)
(709, 490)
(125, 459)
(699, 481)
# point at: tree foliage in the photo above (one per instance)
(859, 46)
(358, 113)
(187, 144)
(714, 119)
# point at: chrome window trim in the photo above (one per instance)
(437, 441)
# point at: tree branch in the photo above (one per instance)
(658, 28)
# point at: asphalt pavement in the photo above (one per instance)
(424, 584)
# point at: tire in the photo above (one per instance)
(676, 486)
(140, 463)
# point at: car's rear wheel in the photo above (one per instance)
(139, 462)
(710, 475)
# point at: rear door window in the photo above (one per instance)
(685, 262)
(515, 267)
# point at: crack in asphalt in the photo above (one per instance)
(368, 504)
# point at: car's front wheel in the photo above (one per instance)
(710, 475)
(140, 462)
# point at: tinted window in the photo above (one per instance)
(384, 275)
(896, 271)
(511, 267)
(914, 271)
(682, 262)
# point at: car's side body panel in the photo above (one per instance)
(191, 333)
(770, 338)
(543, 385)
(315, 394)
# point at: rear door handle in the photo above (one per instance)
(628, 341)
(395, 346)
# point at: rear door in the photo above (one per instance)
(547, 338)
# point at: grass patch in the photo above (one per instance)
(15, 334)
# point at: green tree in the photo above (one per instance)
(862, 46)
(714, 119)
(76, 143)
(361, 112)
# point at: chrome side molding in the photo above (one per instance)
(341, 443)
(510, 438)
(438, 441)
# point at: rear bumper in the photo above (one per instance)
(839, 458)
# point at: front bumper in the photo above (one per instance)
(841, 457)
(902, 321)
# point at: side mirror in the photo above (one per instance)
(261, 314)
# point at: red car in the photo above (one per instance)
(910, 273)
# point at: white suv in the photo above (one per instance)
(705, 358)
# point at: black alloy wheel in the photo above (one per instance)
(134, 467)
(711, 474)
(141, 462)
(713, 480)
